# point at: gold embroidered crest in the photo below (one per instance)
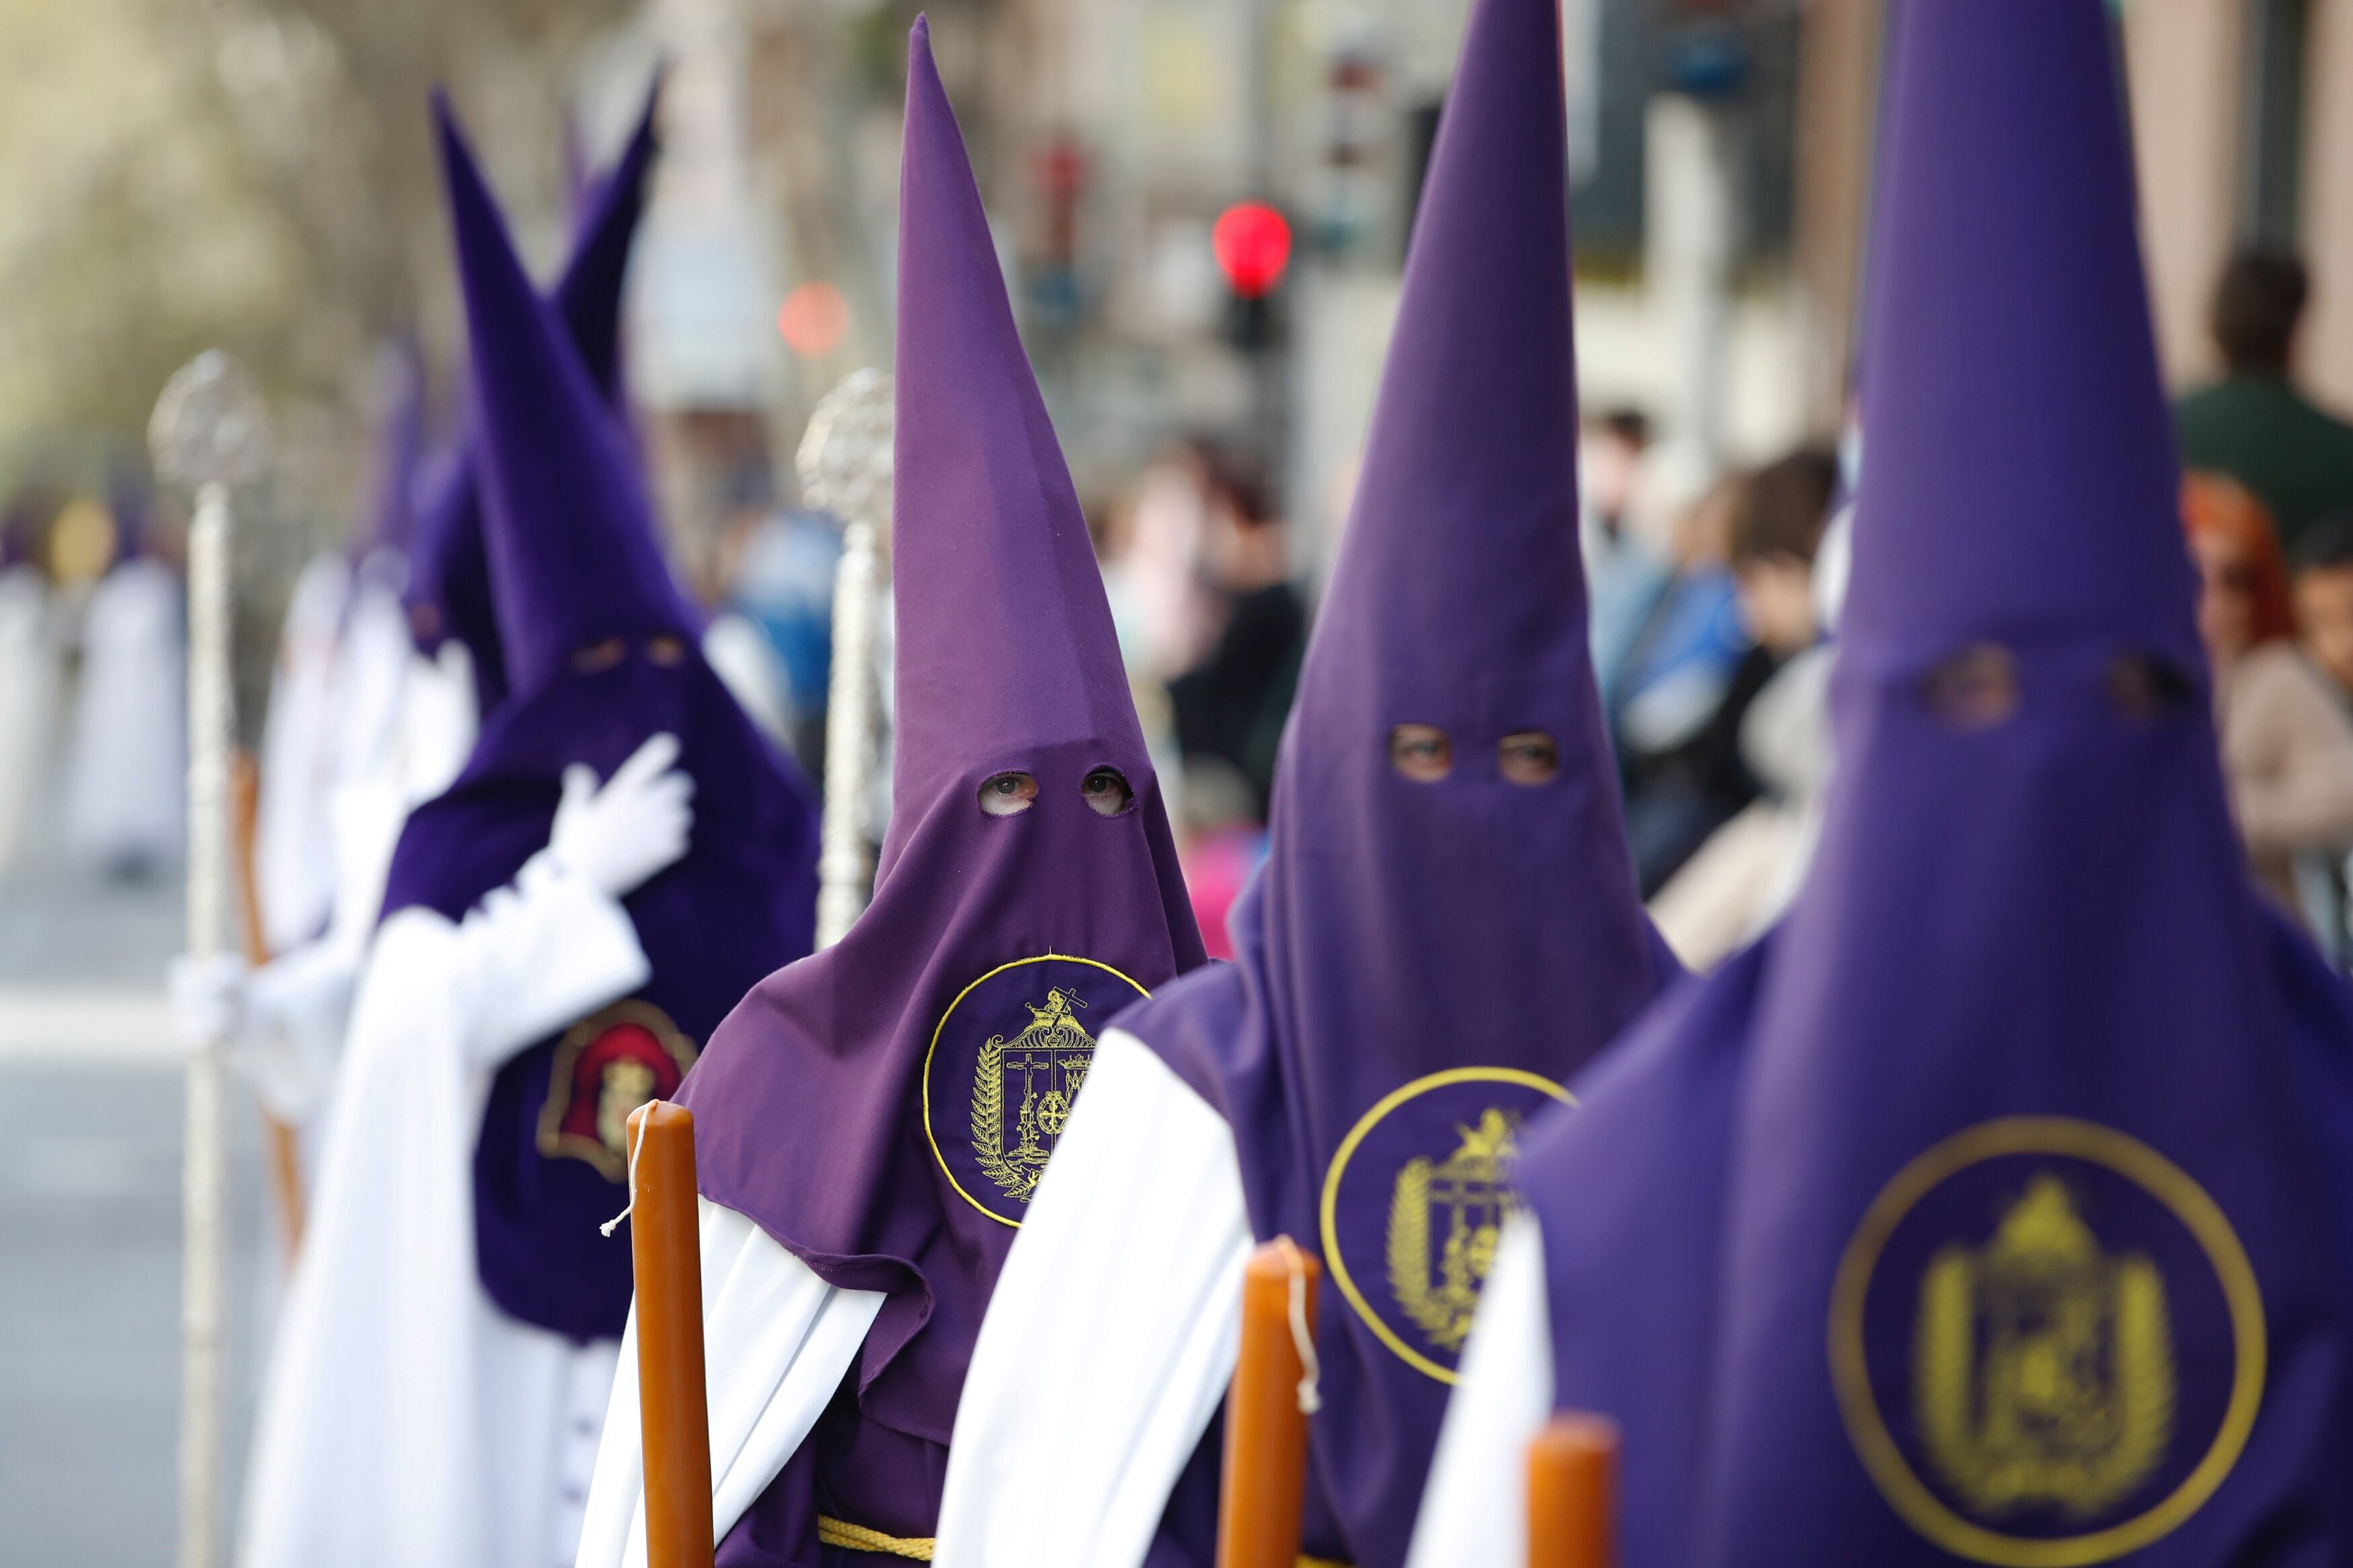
(2007, 1327)
(1048, 1059)
(2043, 1369)
(1416, 1195)
(606, 1066)
(1467, 1196)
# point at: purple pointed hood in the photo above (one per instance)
(1992, 1206)
(448, 592)
(390, 522)
(597, 674)
(883, 1109)
(573, 562)
(1421, 965)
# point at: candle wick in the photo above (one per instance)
(636, 1141)
(1303, 1339)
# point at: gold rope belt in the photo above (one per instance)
(858, 1538)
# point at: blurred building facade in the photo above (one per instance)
(1111, 134)
(2242, 118)
(1720, 149)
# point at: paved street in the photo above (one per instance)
(89, 1227)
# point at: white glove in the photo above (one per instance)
(618, 837)
(208, 999)
(221, 1002)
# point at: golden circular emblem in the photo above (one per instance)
(1003, 1073)
(2007, 1294)
(1429, 1192)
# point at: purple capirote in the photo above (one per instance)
(837, 1106)
(603, 653)
(1992, 1207)
(1421, 965)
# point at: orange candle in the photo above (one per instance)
(1265, 1484)
(244, 815)
(673, 1408)
(1572, 1493)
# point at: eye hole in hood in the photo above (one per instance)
(1528, 757)
(2146, 688)
(1008, 793)
(1421, 753)
(1106, 792)
(1976, 689)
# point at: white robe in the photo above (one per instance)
(294, 836)
(29, 674)
(125, 785)
(1130, 1264)
(372, 666)
(403, 1419)
(305, 994)
(1474, 1511)
(776, 1341)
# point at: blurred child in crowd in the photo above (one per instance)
(1740, 606)
(2324, 598)
(1779, 743)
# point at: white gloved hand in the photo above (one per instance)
(208, 999)
(222, 1002)
(618, 837)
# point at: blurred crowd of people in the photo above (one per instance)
(92, 734)
(1714, 622)
(1713, 616)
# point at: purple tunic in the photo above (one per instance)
(602, 654)
(883, 1109)
(1991, 1208)
(1419, 967)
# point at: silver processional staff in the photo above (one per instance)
(209, 433)
(845, 469)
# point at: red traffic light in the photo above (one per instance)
(1253, 245)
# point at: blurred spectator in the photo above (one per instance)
(782, 582)
(1740, 606)
(30, 677)
(1745, 871)
(1624, 571)
(1611, 460)
(2253, 425)
(2324, 598)
(126, 759)
(1229, 706)
(2287, 744)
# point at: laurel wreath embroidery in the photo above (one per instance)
(988, 1125)
(1941, 1362)
(2145, 1372)
(1408, 1256)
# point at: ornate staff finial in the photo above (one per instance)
(209, 427)
(845, 456)
(845, 468)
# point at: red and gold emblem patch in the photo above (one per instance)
(606, 1066)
